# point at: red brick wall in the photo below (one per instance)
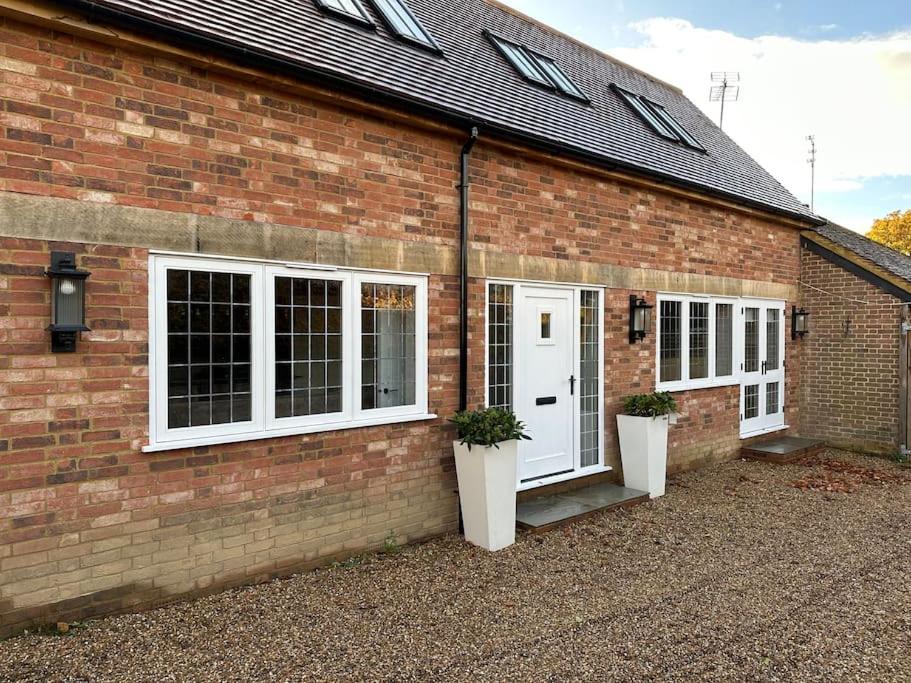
(90, 524)
(534, 208)
(850, 393)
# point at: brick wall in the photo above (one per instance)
(850, 393)
(89, 524)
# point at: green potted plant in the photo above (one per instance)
(643, 426)
(485, 455)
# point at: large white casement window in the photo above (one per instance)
(243, 350)
(695, 342)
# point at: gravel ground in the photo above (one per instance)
(745, 571)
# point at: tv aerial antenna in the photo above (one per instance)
(725, 91)
(812, 161)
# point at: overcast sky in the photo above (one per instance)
(838, 70)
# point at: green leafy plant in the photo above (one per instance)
(901, 458)
(391, 544)
(649, 405)
(488, 427)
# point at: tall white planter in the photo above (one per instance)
(643, 452)
(487, 493)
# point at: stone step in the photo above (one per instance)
(551, 511)
(782, 449)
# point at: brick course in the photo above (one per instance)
(89, 523)
(850, 393)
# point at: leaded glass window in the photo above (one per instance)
(699, 339)
(773, 328)
(208, 348)
(243, 350)
(589, 378)
(499, 346)
(670, 324)
(751, 401)
(724, 340)
(751, 340)
(773, 400)
(308, 347)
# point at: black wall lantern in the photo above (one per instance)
(67, 301)
(800, 323)
(640, 318)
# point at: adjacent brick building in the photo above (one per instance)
(274, 298)
(855, 376)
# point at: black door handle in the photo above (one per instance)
(765, 365)
(572, 385)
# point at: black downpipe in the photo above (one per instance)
(463, 269)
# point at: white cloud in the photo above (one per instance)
(853, 95)
(827, 27)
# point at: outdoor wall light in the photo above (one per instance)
(67, 301)
(640, 318)
(800, 323)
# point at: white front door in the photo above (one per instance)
(546, 403)
(762, 385)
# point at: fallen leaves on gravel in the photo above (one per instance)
(839, 476)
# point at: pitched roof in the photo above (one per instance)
(893, 262)
(471, 83)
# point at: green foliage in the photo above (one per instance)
(649, 405)
(901, 458)
(351, 562)
(391, 544)
(488, 427)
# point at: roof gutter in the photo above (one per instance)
(261, 59)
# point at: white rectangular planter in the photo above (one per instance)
(487, 493)
(643, 452)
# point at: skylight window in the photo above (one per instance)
(658, 118)
(520, 60)
(561, 81)
(348, 9)
(403, 23)
(537, 68)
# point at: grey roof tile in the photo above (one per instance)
(878, 254)
(473, 82)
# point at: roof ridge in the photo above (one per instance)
(601, 53)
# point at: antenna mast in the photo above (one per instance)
(726, 92)
(812, 162)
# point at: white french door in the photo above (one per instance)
(763, 371)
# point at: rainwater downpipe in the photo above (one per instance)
(463, 267)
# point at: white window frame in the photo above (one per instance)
(328, 419)
(685, 383)
(264, 424)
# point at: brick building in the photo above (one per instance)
(268, 202)
(854, 390)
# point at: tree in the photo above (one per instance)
(894, 231)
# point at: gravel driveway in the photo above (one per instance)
(742, 572)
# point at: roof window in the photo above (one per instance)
(404, 24)
(352, 10)
(656, 116)
(537, 68)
